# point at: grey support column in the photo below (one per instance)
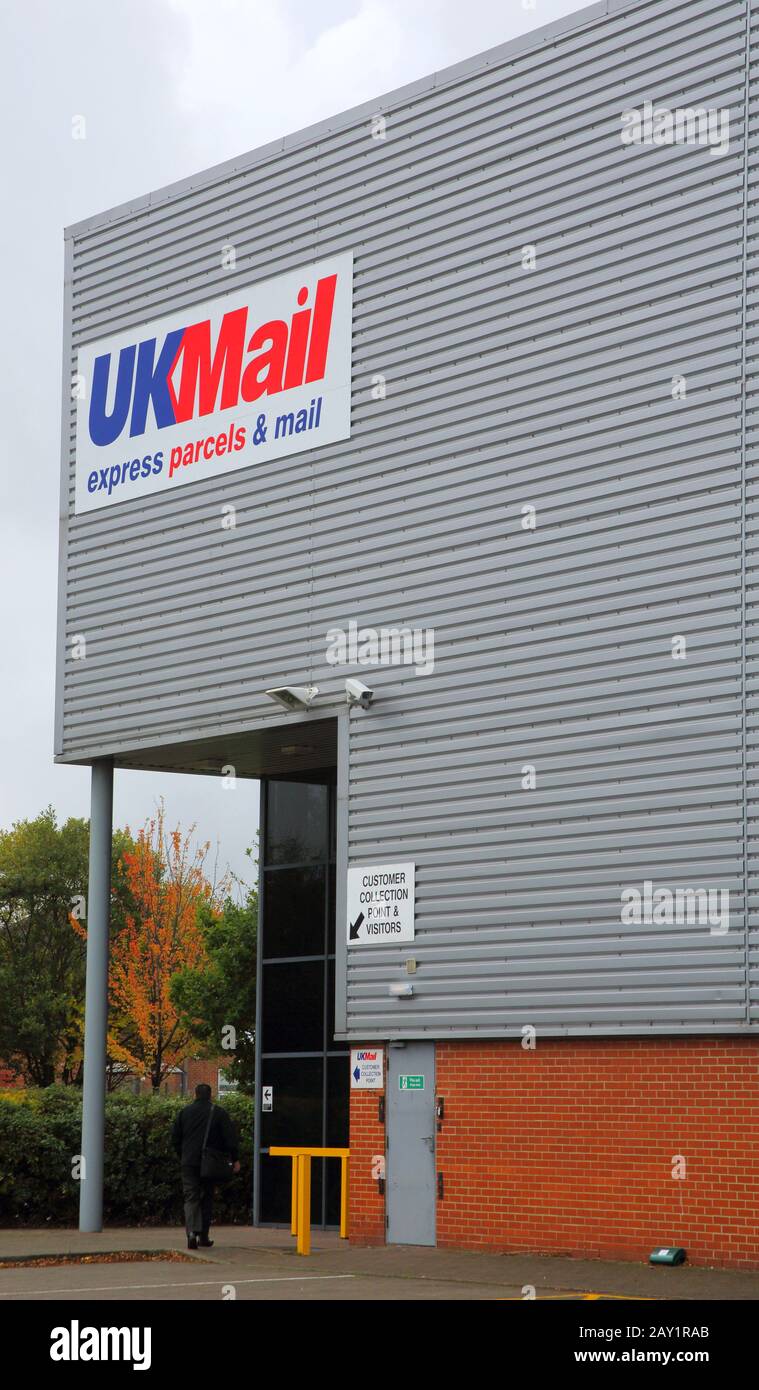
(96, 998)
(257, 1112)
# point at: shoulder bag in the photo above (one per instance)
(213, 1163)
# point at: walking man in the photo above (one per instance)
(198, 1126)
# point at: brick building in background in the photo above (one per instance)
(182, 1080)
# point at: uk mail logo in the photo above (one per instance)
(253, 375)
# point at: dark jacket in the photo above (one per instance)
(189, 1129)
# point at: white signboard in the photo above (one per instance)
(267, 1097)
(223, 1083)
(367, 1069)
(380, 904)
(232, 382)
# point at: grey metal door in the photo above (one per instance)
(410, 1159)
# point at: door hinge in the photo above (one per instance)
(440, 1187)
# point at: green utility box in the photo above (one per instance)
(667, 1255)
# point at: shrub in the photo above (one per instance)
(20, 1095)
(40, 1137)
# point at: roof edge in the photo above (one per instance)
(570, 23)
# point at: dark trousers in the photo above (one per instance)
(198, 1201)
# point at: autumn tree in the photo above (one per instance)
(169, 889)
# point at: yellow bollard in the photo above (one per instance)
(294, 1198)
(343, 1198)
(300, 1202)
(304, 1204)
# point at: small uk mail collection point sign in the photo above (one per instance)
(380, 904)
(367, 1068)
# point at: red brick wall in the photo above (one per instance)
(366, 1212)
(199, 1069)
(569, 1149)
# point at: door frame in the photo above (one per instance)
(396, 1050)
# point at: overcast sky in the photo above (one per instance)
(166, 88)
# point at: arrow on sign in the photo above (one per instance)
(357, 1074)
(354, 927)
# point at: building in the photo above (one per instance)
(182, 1080)
(446, 396)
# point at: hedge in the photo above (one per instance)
(40, 1133)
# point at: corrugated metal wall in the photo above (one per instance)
(637, 756)
(751, 430)
(506, 387)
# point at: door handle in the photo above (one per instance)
(429, 1140)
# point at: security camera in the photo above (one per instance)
(357, 693)
(294, 697)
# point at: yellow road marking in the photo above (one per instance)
(580, 1297)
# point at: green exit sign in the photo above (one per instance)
(411, 1083)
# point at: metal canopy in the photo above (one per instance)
(296, 747)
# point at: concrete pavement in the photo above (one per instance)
(262, 1265)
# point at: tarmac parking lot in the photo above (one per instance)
(261, 1265)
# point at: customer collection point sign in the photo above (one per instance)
(380, 904)
(367, 1069)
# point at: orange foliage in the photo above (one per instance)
(168, 886)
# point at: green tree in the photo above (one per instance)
(222, 996)
(43, 880)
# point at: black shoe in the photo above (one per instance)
(192, 1242)
(205, 1242)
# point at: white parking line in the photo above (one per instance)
(190, 1284)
